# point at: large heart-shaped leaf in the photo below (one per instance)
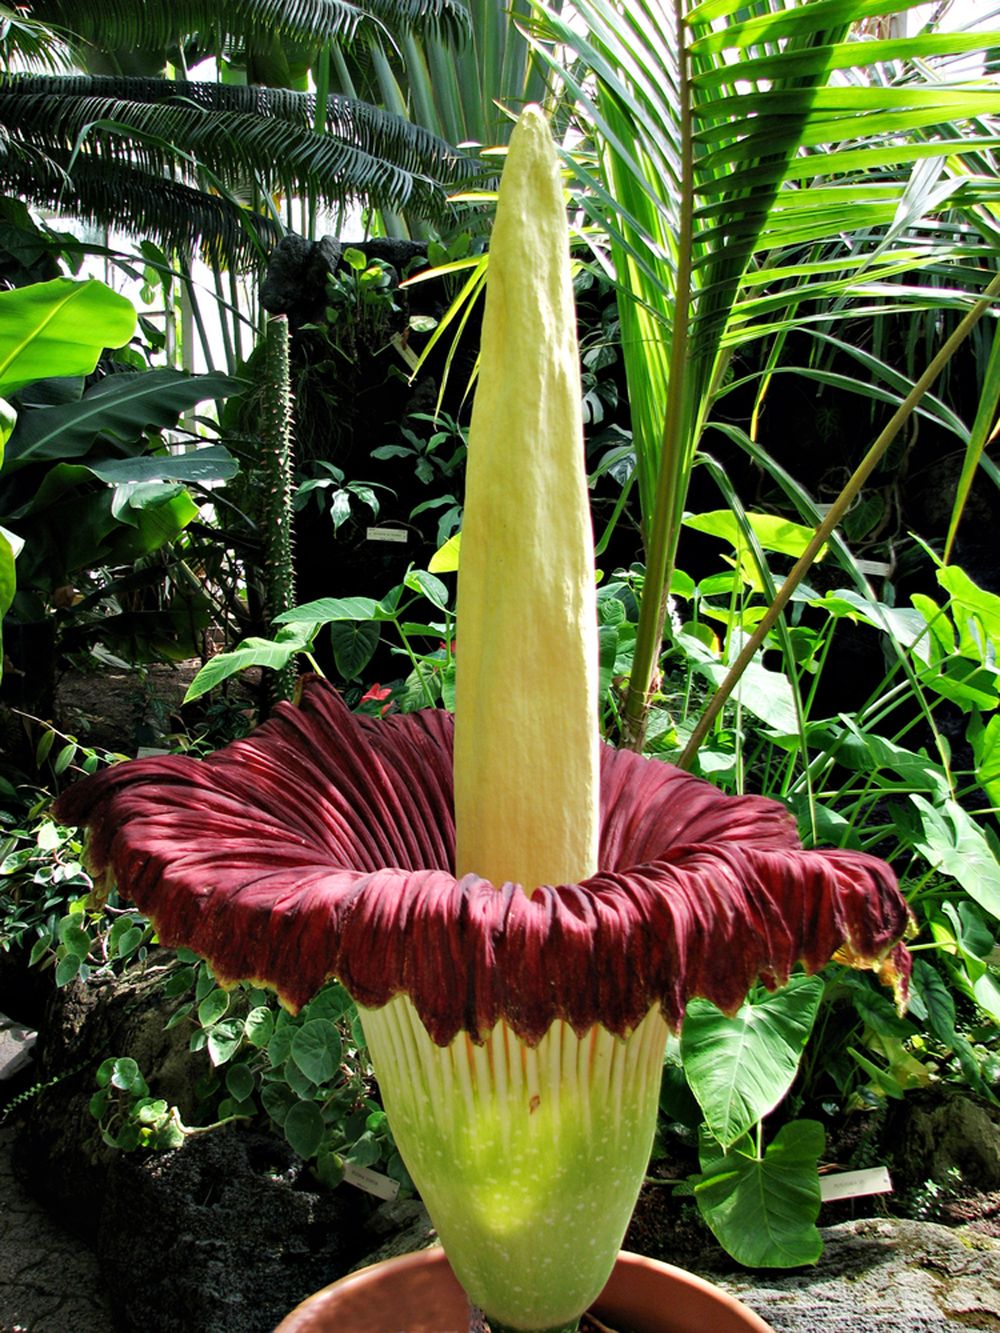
(764, 1210)
(59, 328)
(354, 642)
(739, 1068)
(7, 584)
(767, 694)
(8, 419)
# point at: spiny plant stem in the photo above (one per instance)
(276, 488)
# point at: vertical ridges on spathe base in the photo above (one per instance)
(529, 1158)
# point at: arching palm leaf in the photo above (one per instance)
(733, 143)
(25, 41)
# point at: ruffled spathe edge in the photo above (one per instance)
(323, 845)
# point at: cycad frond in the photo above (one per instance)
(138, 25)
(121, 196)
(235, 134)
(446, 20)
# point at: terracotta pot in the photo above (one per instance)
(419, 1294)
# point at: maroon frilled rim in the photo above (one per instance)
(323, 845)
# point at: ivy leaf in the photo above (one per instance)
(224, 1041)
(763, 1211)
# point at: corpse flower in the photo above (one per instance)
(520, 914)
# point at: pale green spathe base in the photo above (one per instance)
(529, 1159)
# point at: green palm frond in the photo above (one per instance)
(137, 24)
(735, 146)
(24, 41)
(440, 20)
(195, 133)
(468, 96)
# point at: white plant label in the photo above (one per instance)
(371, 1181)
(851, 1184)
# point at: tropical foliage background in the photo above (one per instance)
(788, 222)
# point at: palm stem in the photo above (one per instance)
(663, 535)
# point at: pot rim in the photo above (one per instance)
(628, 1265)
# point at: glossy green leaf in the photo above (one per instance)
(123, 406)
(419, 580)
(277, 1100)
(224, 1040)
(207, 463)
(213, 1007)
(72, 935)
(8, 583)
(766, 693)
(772, 532)
(332, 1002)
(240, 1082)
(126, 1075)
(274, 653)
(153, 515)
(279, 1048)
(8, 419)
(873, 1006)
(936, 1001)
(740, 1068)
(975, 611)
(258, 1026)
(325, 609)
(985, 742)
(764, 1211)
(953, 844)
(445, 558)
(59, 328)
(353, 644)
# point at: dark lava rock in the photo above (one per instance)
(295, 282)
(224, 1235)
(947, 1132)
(220, 1236)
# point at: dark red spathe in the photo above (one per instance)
(322, 846)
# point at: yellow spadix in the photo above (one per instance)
(526, 724)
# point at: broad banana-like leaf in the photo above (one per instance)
(59, 328)
(123, 406)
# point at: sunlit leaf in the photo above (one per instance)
(739, 1068)
(764, 1211)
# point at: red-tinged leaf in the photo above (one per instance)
(323, 845)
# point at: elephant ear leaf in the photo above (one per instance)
(59, 328)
